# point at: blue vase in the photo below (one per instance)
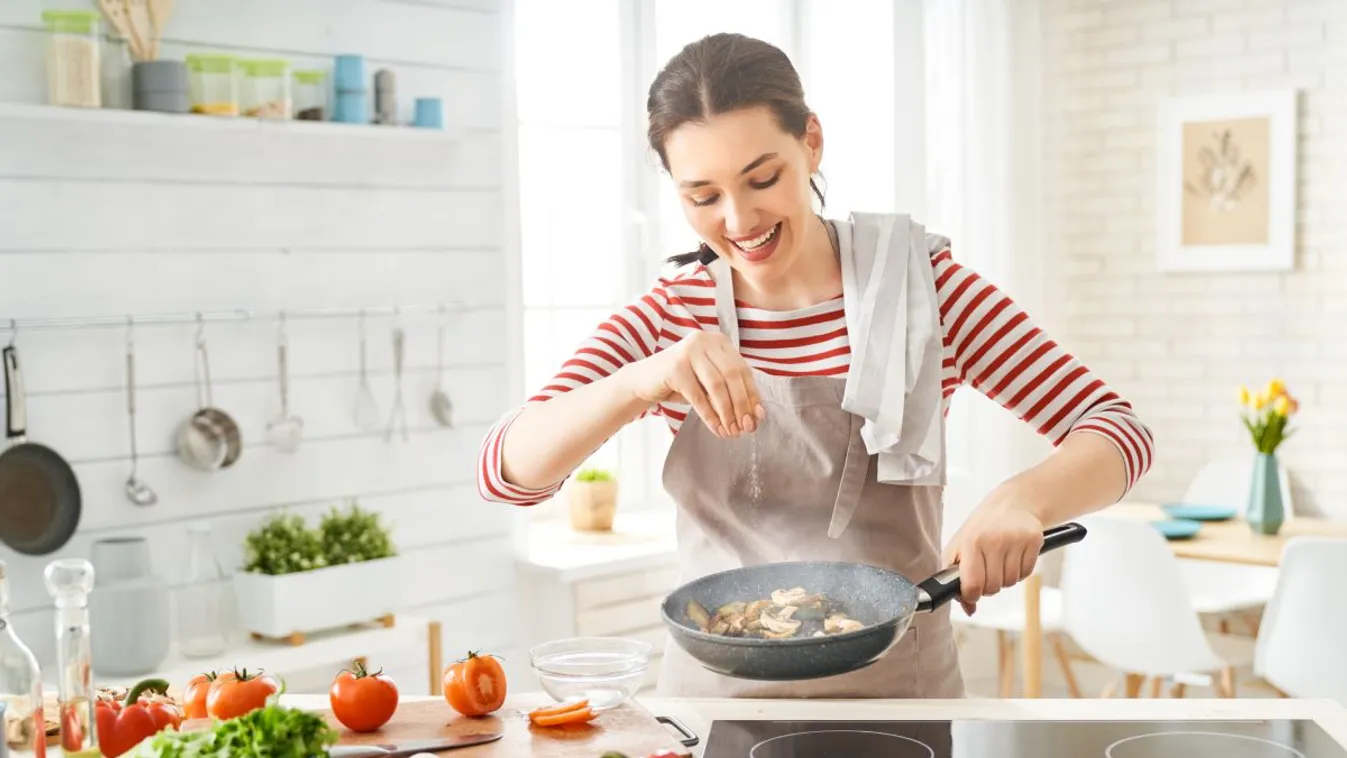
(1265, 511)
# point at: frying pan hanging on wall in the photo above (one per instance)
(39, 494)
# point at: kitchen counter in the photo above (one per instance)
(697, 713)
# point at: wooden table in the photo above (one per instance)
(1226, 541)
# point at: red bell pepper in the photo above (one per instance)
(146, 711)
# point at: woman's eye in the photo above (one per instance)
(704, 200)
(766, 184)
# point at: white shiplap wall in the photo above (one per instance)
(124, 213)
(1178, 345)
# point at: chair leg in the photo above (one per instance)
(1059, 650)
(1110, 689)
(1005, 663)
(1132, 685)
(1178, 689)
(1225, 684)
(1155, 686)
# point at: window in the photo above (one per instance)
(586, 171)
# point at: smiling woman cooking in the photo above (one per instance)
(805, 366)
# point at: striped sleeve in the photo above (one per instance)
(999, 351)
(629, 335)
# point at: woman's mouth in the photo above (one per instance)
(759, 248)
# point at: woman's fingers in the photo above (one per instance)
(684, 381)
(739, 382)
(717, 389)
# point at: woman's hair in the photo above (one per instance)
(718, 74)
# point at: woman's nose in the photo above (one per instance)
(741, 219)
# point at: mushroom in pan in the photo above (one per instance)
(839, 624)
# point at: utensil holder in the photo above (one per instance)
(128, 608)
(160, 86)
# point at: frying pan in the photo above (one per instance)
(39, 495)
(883, 600)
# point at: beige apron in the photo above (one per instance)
(774, 495)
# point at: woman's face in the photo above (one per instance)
(744, 186)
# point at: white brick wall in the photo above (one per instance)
(1178, 345)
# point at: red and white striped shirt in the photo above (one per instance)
(989, 344)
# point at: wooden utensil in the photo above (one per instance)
(160, 10)
(118, 13)
(627, 728)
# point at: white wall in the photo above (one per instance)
(1178, 345)
(144, 214)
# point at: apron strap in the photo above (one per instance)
(726, 313)
(854, 470)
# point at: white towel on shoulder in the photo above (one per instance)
(893, 326)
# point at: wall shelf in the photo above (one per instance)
(234, 123)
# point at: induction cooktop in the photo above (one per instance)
(1276, 738)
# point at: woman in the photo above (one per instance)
(783, 449)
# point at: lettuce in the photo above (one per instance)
(270, 732)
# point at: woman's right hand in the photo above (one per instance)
(705, 371)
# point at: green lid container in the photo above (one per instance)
(212, 63)
(310, 77)
(266, 68)
(71, 22)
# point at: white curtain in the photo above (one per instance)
(982, 166)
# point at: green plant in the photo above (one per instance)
(354, 535)
(594, 475)
(282, 545)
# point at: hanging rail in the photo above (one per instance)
(241, 314)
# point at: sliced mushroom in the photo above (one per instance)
(720, 627)
(699, 615)
(756, 608)
(839, 624)
(780, 621)
(731, 609)
(793, 596)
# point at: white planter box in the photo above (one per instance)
(312, 601)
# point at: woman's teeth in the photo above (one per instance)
(758, 242)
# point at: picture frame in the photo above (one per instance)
(1227, 177)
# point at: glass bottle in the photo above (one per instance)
(20, 687)
(69, 581)
(203, 607)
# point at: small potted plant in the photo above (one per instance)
(296, 579)
(1266, 414)
(592, 496)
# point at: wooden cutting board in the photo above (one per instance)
(628, 728)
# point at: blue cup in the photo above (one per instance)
(351, 108)
(429, 113)
(348, 74)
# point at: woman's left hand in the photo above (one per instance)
(996, 547)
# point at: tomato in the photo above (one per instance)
(663, 754)
(194, 694)
(475, 686)
(363, 701)
(238, 693)
(577, 712)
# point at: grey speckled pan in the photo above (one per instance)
(883, 600)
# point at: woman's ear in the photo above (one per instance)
(813, 142)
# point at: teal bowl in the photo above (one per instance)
(1197, 512)
(1179, 528)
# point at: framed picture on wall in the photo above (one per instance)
(1226, 198)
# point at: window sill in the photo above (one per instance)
(641, 538)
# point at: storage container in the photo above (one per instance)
(74, 70)
(213, 84)
(311, 95)
(351, 106)
(265, 89)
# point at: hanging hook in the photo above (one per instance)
(130, 331)
(281, 336)
(362, 321)
(200, 329)
(13, 331)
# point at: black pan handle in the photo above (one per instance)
(943, 586)
(688, 738)
(16, 422)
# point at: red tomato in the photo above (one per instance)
(194, 694)
(475, 686)
(363, 701)
(235, 694)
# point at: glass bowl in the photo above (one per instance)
(606, 671)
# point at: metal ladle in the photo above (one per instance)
(137, 491)
(441, 407)
(285, 430)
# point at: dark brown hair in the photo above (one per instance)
(718, 74)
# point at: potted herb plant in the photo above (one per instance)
(1266, 414)
(592, 497)
(297, 579)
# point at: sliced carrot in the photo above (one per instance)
(559, 708)
(568, 717)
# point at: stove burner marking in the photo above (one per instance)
(1108, 751)
(930, 753)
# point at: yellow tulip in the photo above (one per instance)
(1243, 395)
(1275, 387)
(1260, 400)
(1282, 405)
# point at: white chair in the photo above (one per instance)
(1300, 648)
(1124, 601)
(1222, 589)
(1004, 613)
